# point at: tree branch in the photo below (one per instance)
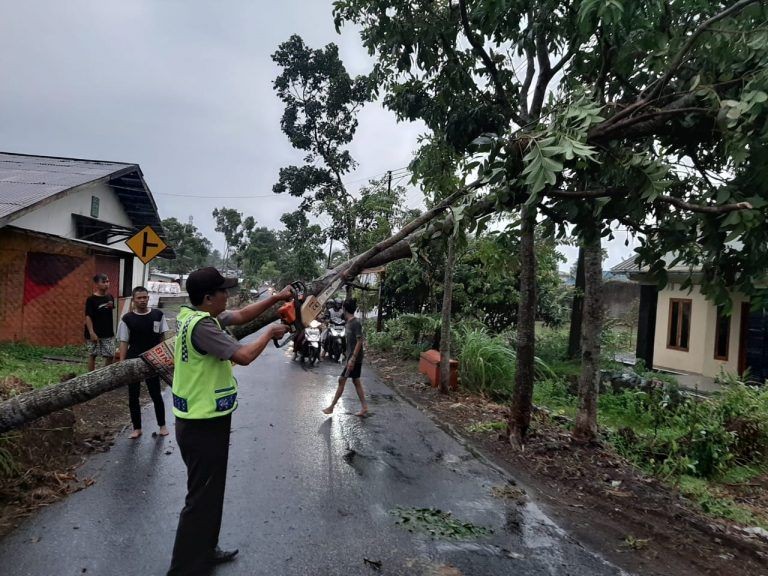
(679, 203)
(702, 209)
(545, 75)
(680, 56)
(490, 65)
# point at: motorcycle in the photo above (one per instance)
(309, 346)
(336, 342)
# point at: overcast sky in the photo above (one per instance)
(184, 89)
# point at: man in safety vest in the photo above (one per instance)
(204, 397)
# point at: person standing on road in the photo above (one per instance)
(204, 397)
(139, 331)
(354, 330)
(99, 323)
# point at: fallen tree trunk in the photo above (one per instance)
(29, 406)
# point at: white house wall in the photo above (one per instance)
(56, 217)
(700, 357)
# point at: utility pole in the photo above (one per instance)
(330, 250)
(389, 182)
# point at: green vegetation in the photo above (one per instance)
(489, 426)
(27, 363)
(437, 523)
(714, 502)
(698, 445)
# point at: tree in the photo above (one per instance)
(214, 259)
(235, 229)
(260, 245)
(321, 102)
(377, 213)
(632, 73)
(300, 247)
(585, 429)
(191, 247)
(445, 324)
(268, 273)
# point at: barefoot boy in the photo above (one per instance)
(354, 358)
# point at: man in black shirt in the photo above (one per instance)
(139, 331)
(354, 330)
(99, 323)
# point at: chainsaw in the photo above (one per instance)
(299, 312)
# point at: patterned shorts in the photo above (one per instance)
(104, 347)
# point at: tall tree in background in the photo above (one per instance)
(260, 245)
(214, 259)
(235, 229)
(378, 212)
(191, 247)
(321, 103)
(301, 249)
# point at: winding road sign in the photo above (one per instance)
(146, 244)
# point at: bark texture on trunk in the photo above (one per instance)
(522, 397)
(445, 327)
(585, 428)
(31, 405)
(577, 310)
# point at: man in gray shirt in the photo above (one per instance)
(354, 358)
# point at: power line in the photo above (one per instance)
(397, 172)
(405, 168)
(216, 196)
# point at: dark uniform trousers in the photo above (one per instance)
(204, 446)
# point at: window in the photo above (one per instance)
(722, 334)
(94, 206)
(679, 324)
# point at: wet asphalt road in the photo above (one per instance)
(307, 494)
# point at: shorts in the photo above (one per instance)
(104, 347)
(355, 373)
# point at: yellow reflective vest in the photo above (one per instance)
(203, 386)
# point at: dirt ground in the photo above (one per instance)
(609, 506)
(49, 451)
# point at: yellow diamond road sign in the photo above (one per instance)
(146, 244)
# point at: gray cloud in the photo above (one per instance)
(182, 88)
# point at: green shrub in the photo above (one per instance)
(552, 345)
(701, 438)
(380, 341)
(486, 365)
(410, 334)
(553, 394)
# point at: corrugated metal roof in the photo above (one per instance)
(628, 265)
(27, 180)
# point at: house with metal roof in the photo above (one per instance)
(680, 330)
(62, 220)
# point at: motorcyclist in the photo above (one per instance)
(334, 311)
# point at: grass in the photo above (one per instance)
(715, 503)
(27, 363)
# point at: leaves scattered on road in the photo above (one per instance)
(437, 523)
